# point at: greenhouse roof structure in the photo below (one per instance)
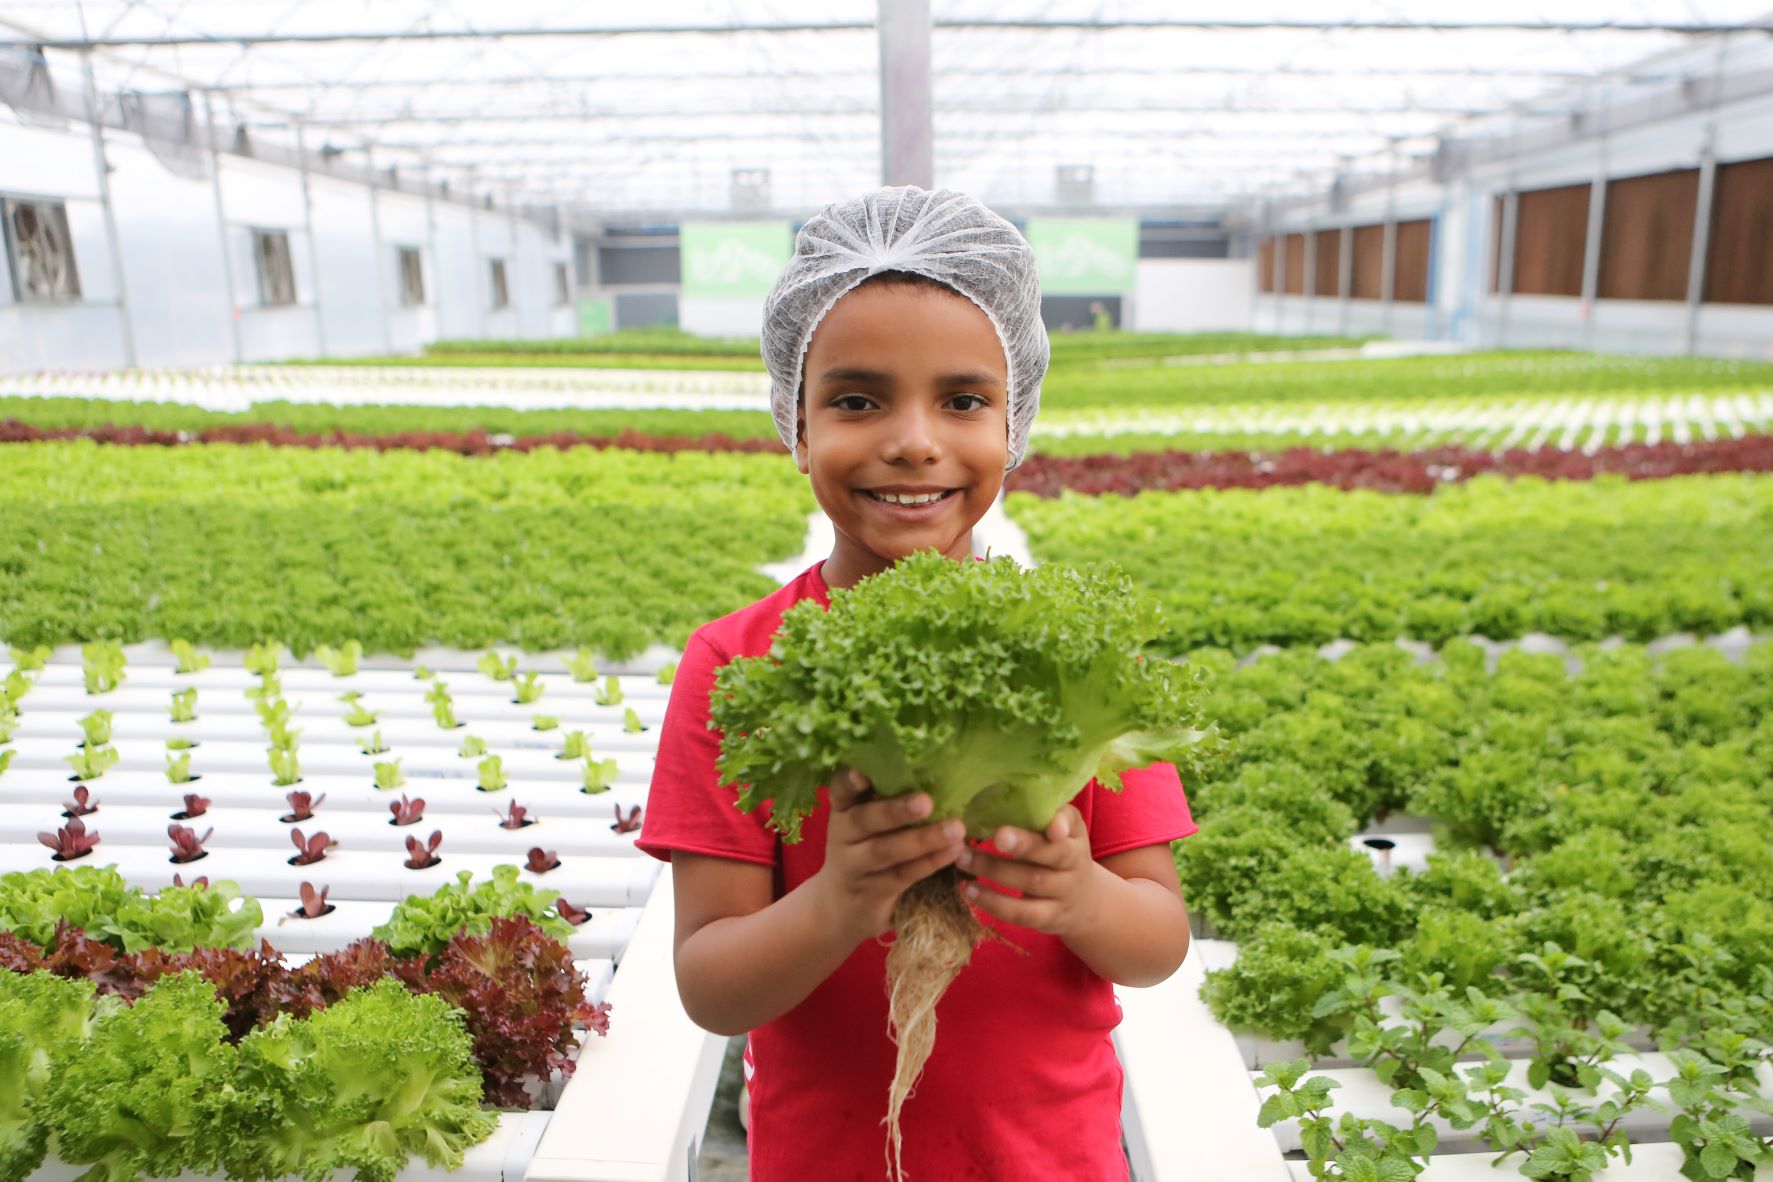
(1137, 104)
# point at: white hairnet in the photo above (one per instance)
(944, 235)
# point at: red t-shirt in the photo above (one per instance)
(1023, 1082)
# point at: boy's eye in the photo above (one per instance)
(969, 402)
(851, 402)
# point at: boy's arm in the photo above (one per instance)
(1139, 932)
(743, 960)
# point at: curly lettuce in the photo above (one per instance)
(1000, 692)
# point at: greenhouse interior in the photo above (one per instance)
(1342, 747)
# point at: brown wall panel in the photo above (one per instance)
(1368, 281)
(1265, 266)
(1739, 256)
(1550, 238)
(1294, 263)
(1409, 282)
(1329, 263)
(1647, 236)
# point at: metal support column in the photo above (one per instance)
(221, 223)
(381, 252)
(482, 282)
(1702, 210)
(907, 136)
(1308, 285)
(313, 242)
(102, 167)
(1511, 206)
(1388, 247)
(428, 260)
(1344, 277)
(1597, 215)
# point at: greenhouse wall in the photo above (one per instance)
(1463, 302)
(193, 286)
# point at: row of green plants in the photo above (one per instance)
(608, 550)
(1306, 565)
(1603, 881)
(381, 419)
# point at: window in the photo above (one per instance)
(501, 293)
(1550, 241)
(1265, 266)
(270, 249)
(563, 288)
(40, 250)
(1739, 269)
(1328, 280)
(1409, 270)
(1367, 272)
(1647, 236)
(412, 277)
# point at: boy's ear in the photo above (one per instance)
(800, 457)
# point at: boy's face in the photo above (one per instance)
(905, 392)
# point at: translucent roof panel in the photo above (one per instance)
(1169, 106)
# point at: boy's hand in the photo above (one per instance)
(1054, 871)
(874, 849)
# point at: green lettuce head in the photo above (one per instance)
(1000, 692)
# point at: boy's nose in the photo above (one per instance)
(911, 437)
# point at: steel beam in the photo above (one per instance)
(907, 126)
(221, 221)
(102, 168)
(1680, 28)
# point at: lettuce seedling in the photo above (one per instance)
(97, 728)
(598, 775)
(286, 769)
(141, 1095)
(422, 855)
(999, 692)
(360, 715)
(180, 744)
(189, 659)
(444, 715)
(496, 667)
(631, 723)
(609, 693)
(363, 1084)
(574, 745)
(92, 762)
(186, 845)
(544, 722)
(29, 660)
(263, 659)
(373, 745)
(583, 666)
(341, 661)
(82, 805)
(184, 705)
(178, 768)
(5, 759)
(389, 776)
(407, 812)
(70, 841)
(281, 737)
(301, 806)
(528, 687)
(102, 666)
(668, 673)
(423, 673)
(492, 774)
(472, 747)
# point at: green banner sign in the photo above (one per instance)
(596, 317)
(733, 260)
(1084, 256)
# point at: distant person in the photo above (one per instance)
(1099, 311)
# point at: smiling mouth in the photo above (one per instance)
(918, 504)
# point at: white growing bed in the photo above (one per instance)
(640, 1096)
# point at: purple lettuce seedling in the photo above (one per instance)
(70, 841)
(186, 845)
(178, 881)
(309, 850)
(195, 806)
(421, 855)
(314, 903)
(541, 861)
(573, 915)
(629, 823)
(301, 806)
(514, 817)
(407, 812)
(82, 805)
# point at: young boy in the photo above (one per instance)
(906, 351)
